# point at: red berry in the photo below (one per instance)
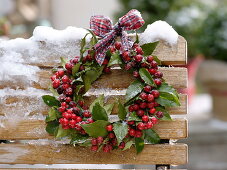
(105, 62)
(72, 123)
(155, 93)
(136, 74)
(141, 126)
(136, 107)
(138, 58)
(150, 59)
(94, 141)
(140, 112)
(117, 45)
(126, 54)
(64, 104)
(149, 125)
(75, 60)
(73, 116)
(68, 99)
(65, 121)
(109, 128)
(132, 132)
(106, 148)
(138, 133)
(68, 66)
(66, 115)
(65, 86)
(78, 127)
(135, 45)
(128, 66)
(158, 82)
(111, 135)
(122, 145)
(78, 119)
(76, 109)
(65, 79)
(144, 65)
(150, 98)
(158, 74)
(131, 122)
(143, 105)
(145, 118)
(159, 114)
(143, 96)
(152, 111)
(90, 120)
(65, 127)
(69, 91)
(82, 68)
(131, 108)
(152, 71)
(147, 88)
(61, 109)
(154, 64)
(53, 77)
(154, 120)
(81, 103)
(94, 148)
(99, 139)
(150, 105)
(86, 113)
(89, 57)
(107, 70)
(139, 50)
(112, 49)
(56, 83)
(61, 72)
(156, 104)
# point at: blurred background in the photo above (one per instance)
(203, 23)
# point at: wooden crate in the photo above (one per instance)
(31, 146)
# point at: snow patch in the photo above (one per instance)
(159, 30)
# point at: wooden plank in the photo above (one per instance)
(33, 104)
(175, 76)
(35, 129)
(175, 154)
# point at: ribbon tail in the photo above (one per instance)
(126, 41)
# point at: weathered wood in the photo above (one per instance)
(34, 105)
(35, 129)
(175, 76)
(175, 154)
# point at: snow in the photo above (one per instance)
(159, 30)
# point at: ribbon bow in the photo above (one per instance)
(102, 27)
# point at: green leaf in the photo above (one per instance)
(50, 100)
(75, 69)
(99, 100)
(63, 62)
(99, 113)
(78, 139)
(146, 76)
(134, 117)
(149, 48)
(95, 40)
(96, 129)
(121, 111)
(139, 143)
(109, 108)
(128, 145)
(62, 132)
(87, 82)
(53, 91)
(82, 45)
(52, 127)
(115, 59)
(137, 38)
(77, 90)
(157, 60)
(133, 90)
(120, 130)
(151, 136)
(53, 114)
(166, 115)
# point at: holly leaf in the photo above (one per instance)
(121, 111)
(94, 39)
(52, 127)
(146, 76)
(137, 38)
(99, 113)
(133, 90)
(99, 100)
(166, 115)
(157, 60)
(115, 59)
(82, 45)
(62, 132)
(53, 91)
(149, 48)
(151, 136)
(96, 129)
(139, 143)
(53, 114)
(78, 139)
(50, 100)
(75, 69)
(120, 130)
(128, 145)
(77, 90)
(63, 62)
(109, 108)
(134, 117)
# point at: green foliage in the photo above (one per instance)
(53, 114)
(115, 59)
(50, 100)
(120, 130)
(121, 111)
(151, 136)
(149, 48)
(166, 115)
(146, 76)
(52, 127)
(139, 143)
(133, 90)
(134, 117)
(99, 113)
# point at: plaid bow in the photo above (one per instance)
(102, 27)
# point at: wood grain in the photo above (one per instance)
(34, 105)
(117, 79)
(35, 129)
(175, 154)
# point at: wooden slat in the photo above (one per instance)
(175, 154)
(175, 76)
(15, 103)
(35, 129)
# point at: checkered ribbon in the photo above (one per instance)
(102, 27)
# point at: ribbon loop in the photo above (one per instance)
(102, 27)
